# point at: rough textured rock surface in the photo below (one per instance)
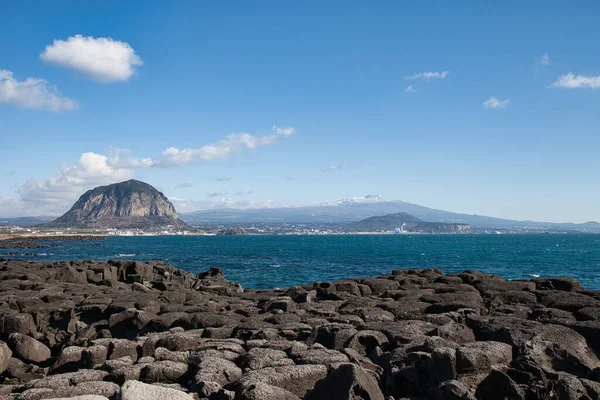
(134, 390)
(129, 330)
(130, 204)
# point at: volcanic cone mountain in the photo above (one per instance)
(130, 204)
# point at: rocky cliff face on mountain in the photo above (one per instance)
(130, 204)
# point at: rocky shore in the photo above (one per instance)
(33, 241)
(129, 330)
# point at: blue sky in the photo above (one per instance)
(282, 103)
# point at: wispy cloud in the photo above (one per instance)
(545, 59)
(184, 185)
(338, 167)
(493, 102)
(572, 81)
(409, 89)
(57, 193)
(223, 149)
(102, 59)
(217, 193)
(122, 158)
(70, 182)
(428, 75)
(32, 93)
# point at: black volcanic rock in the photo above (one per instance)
(130, 204)
(405, 222)
(99, 328)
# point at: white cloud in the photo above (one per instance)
(572, 81)
(493, 102)
(545, 59)
(222, 149)
(56, 194)
(102, 59)
(121, 158)
(221, 178)
(217, 193)
(409, 89)
(60, 191)
(10, 207)
(428, 75)
(32, 93)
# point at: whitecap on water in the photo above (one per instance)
(275, 265)
(126, 255)
(534, 275)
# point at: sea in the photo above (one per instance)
(283, 261)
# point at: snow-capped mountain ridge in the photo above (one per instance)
(370, 198)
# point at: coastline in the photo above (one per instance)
(107, 329)
(50, 236)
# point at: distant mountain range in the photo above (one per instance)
(403, 222)
(356, 209)
(160, 211)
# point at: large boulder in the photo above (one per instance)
(213, 369)
(365, 341)
(263, 391)
(333, 335)
(297, 379)
(214, 281)
(17, 323)
(28, 349)
(129, 323)
(135, 390)
(480, 357)
(163, 371)
(5, 355)
(346, 382)
(558, 348)
(316, 355)
(259, 357)
(499, 386)
(69, 359)
(455, 332)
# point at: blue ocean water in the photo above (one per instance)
(282, 261)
